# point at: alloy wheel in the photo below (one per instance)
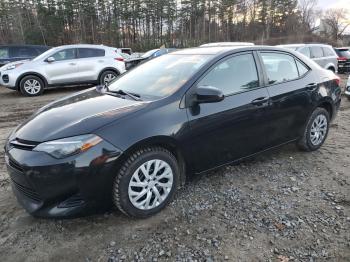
(108, 78)
(150, 184)
(32, 86)
(318, 130)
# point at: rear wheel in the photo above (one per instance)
(146, 182)
(31, 86)
(316, 130)
(107, 77)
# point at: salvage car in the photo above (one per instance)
(133, 143)
(13, 53)
(62, 66)
(322, 54)
(343, 59)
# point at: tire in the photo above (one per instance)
(129, 199)
(310, 141)
(31, 86)
(107, 76)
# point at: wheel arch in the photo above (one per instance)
(326, 104)
(19, 79)
(165, 142)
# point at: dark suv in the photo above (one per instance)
(343, 59)
(12, 53)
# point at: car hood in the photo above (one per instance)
(14, 63)
(78, 114)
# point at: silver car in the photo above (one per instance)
(324, 55)
(63, 65)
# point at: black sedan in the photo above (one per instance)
(133, 143)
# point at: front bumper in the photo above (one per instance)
(8, 78)
(74, 186)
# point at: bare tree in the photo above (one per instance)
(308, 12)
(336, 22)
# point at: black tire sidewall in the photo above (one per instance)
(24, 79)
(104, 73)
(316, 113)
(124, 201)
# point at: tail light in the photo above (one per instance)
(119, 59)
(342, 58)
(337, 80)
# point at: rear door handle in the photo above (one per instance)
(260, 101)
(311, 86)
(72, 64)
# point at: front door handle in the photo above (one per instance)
(260, 101)
(72, 64)
(311, 86)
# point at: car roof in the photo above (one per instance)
(227, 44)
(300, 45)
(83, 45)
(216, 50)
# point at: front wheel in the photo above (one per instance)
(316, 130)
(31, 86)
(146, 182)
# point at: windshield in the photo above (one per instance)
(344, 53)
(43, 55)
(159, 77)
(149, 53)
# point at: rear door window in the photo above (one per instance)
(4, 53)
(90, 52)
(305, 51)
(316, 52)
(279, 67)
(233, 75)
(302, 69)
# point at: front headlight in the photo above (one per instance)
(68, 146)
(13, 66)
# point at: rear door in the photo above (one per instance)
(290, 85)
(318, 56)
(236, 126)
(90, 62)
(64, 70)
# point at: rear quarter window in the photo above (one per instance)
(328, 51)
(4, 53)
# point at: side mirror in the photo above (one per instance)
(50, 59)
(207, 94)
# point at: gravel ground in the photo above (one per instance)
(285, 205)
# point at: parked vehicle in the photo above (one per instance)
(133, 143)
(63, 65)
(347, 89)
(12, 53)
(147, 56)
(227, 44)
(324, 55)
(343, 59)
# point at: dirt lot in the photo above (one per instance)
(285, 205)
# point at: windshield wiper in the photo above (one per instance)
(135, 97)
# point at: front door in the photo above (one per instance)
(236, 126)
(64, 70)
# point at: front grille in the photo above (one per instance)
(23, 144)
(28, 192)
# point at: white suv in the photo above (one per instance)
(63, 65)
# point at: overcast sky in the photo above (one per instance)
(325, 4)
